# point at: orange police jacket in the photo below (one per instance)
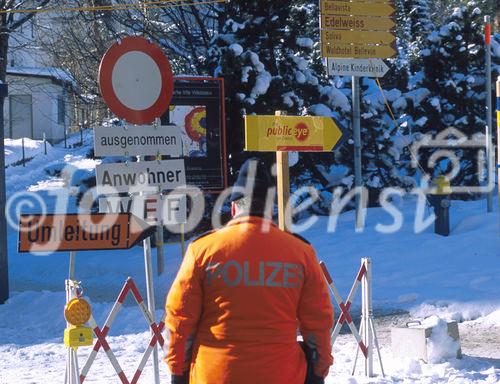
(238, 299)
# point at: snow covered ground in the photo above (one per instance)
(415, 276)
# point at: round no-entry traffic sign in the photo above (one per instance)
(136, 80)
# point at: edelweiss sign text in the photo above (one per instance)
(291, 133)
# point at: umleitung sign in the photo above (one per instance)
(81, 232)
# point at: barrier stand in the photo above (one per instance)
(369, 334)
(367, 329)
(101, 334)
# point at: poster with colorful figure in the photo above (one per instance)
(193, 121)
(197, 107)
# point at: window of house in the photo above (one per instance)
(61, 110)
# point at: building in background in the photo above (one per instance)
(42, 100)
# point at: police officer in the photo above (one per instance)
(241, 294)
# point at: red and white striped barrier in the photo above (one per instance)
(101, 334)
(367, 329)
(345, 316)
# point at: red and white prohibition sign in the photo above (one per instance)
(136, 80)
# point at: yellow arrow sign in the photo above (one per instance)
(363, 9)
(291, 133)
(363, 23)
(358, 51)
(356, 37)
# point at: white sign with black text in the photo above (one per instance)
(140, 140)
(357, 67)
(167, 209)
(144, 176)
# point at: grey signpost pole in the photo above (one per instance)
(150, 294)
(489, 122)
(151, 300)
(356, 132)
(160, 259)
(4, 264)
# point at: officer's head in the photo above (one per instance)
(250, 191)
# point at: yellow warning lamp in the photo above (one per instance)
(77, 312)
(443, 185)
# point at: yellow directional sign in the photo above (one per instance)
(364, 23)
(358, 8)
(358, 51)
(270, 133)
(356, 37)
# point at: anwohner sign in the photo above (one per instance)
(144, 176)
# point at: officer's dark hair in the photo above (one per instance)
(253, 206)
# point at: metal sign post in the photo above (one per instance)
(349, 31)
(4, 264)
(356, 130)
(489, 128)
(160, 257)
(366, 316)
(150, 292)
(498, 143)
(72, 370)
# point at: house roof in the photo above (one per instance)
(58, 75)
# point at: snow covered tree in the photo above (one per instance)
(385, 156)
(269, 56)
(184, 31)
(268, 62)
(453, 79)
(415, 24)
